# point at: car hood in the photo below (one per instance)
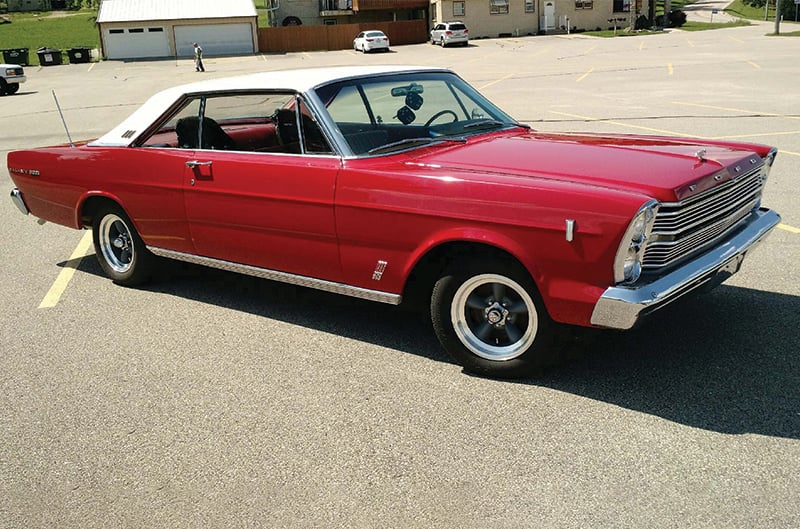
(668, 169)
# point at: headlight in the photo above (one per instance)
(768, 160)
(628, 263)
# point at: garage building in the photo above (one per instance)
(137, 29)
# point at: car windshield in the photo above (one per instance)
(376, 115)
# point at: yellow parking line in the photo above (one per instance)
(674, 133)
(495, 81)
(669, 68)
(649, 129)
(584, 76)
(60, 285)
(754, 65)
(730, 109)
(740, 136)
(788, 228)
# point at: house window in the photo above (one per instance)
(498, 7)
(529, 6)
(584, 4)
(459, 9)
(622, 6)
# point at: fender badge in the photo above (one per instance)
(380, 268)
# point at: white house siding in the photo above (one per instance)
(518, 22)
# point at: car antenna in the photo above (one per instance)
(64, 121)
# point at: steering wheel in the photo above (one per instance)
(440, 114)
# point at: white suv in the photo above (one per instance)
(11, 75)
(445, 33)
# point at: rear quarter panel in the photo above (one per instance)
(56, 182)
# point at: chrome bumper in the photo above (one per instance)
(16, 198)
(623, 307)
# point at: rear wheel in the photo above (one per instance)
(491, 320)
(120, 251)
(441, 42)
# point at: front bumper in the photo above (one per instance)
(623, 307)
(16, 79)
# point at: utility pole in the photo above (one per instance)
(777, 17)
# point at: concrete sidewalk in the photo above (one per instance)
(709, 11)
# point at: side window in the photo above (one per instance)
(167, 134)
(262, 122)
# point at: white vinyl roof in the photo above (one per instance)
(145, 10)
(300, 81)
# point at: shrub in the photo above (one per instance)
(677, 18)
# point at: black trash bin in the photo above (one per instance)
(79, 55)
(16, 56)
(49, 56)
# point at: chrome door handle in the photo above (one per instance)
(194, 163)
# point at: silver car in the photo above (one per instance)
(446, 33)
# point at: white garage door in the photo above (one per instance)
(215, 39)
(136, 43)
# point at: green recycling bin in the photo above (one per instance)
(16, 56)
(49, 56)
(79, 55)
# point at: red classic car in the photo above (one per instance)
(403, 183)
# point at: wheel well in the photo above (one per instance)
(434, 264)
(90, 208)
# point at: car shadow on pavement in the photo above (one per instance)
(726, 361)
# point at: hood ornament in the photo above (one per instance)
(701, 155)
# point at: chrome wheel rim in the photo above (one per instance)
(116, 243)
(494, 317)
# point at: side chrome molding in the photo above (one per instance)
(275, 275)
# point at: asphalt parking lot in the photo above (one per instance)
(218, 401)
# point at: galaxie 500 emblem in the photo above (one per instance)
(29, 172)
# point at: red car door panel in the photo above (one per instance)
(266, 210)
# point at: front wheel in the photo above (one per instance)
(120, 251)
(12, 88)
(490, 318)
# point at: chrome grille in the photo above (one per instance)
(680, 228)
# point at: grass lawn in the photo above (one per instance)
(70, 29)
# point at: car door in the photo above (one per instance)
(269, 207)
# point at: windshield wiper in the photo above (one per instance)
(493, 123)
(411, 142)
(485, 123)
